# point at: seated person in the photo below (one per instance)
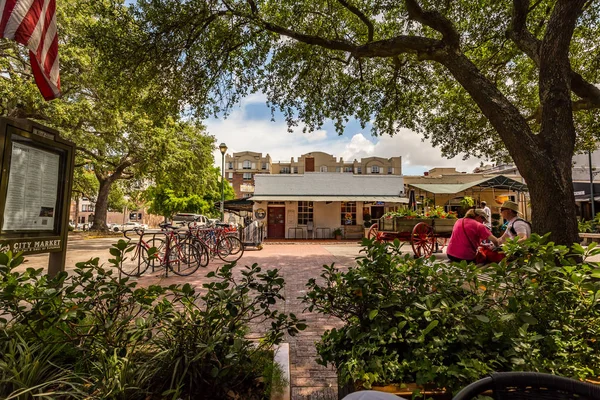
(516, 227)
(467, 235)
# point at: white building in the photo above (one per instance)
(313, 205)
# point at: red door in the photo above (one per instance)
(276, 223)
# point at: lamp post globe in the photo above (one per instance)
(222, 149)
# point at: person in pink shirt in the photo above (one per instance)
(467, 235)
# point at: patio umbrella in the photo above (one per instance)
(412, 200)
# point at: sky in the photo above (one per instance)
(249, 128)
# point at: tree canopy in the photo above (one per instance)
(121, 131)
(495, 78)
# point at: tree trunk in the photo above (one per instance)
(553, 202)
(101, 208)
(76, 210)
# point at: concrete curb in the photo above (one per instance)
(282, 357)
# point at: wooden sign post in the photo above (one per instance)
(35, 190)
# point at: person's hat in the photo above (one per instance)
(511, 205)
(480, 213)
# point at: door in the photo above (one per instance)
(376, 212)
(276, 223)
(309, 164)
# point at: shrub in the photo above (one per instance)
(424, 321)
(101, 336)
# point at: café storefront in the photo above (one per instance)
(315, 205)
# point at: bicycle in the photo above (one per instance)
(180, 258)
(218, 242)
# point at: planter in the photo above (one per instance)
(443, 225)
(282, 358)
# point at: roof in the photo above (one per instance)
(324, 186)
(387, 199)
(499, 182)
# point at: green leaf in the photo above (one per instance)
(431, 325)
(373, 314)
(482, 318)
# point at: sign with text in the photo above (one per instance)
(31, 198)
(35, 189)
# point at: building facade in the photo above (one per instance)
(242, 167)
(315, 205)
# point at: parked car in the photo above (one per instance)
(128, 226)
(188, 217)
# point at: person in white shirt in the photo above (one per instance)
(488, 213)
(517, 227)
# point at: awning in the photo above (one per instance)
(499, 182)
(585, 198)
(387, 199)
(237, 205)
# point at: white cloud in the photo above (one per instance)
(241, 133)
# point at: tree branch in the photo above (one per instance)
(530, 45)
(436, 21)
(354, 10)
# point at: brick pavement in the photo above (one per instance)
(297, 263)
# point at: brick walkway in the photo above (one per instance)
(297, 263)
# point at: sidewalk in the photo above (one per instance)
(297, 263)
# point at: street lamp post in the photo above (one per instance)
(223, 149)
(591, 184)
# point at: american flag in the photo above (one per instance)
(33, 24)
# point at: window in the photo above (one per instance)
(295, 170)
(87, 207)
(305, 212)
(323, 168)
(375, 169)
(285, 170)
(358, 170)
(390, 170)
(247, 165)
(265, 165)
(247, 195)
(231, 175)
(348, 169)
(230, 165)
(338, 169)
(247, 176)
(348, 213)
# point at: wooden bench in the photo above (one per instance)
(587, 238)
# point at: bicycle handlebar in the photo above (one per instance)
(136, 230)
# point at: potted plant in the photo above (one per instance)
(337, 233)
(367, 220)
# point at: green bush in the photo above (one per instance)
(101, 336)
(425, 321)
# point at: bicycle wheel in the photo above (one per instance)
(184, 259)
(202, 248)
(204, 255)
(133, 263)
(230, 249)
(157, 260)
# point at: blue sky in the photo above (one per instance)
(249, 128)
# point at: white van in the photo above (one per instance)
(189, 217)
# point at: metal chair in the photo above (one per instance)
(530, 386)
